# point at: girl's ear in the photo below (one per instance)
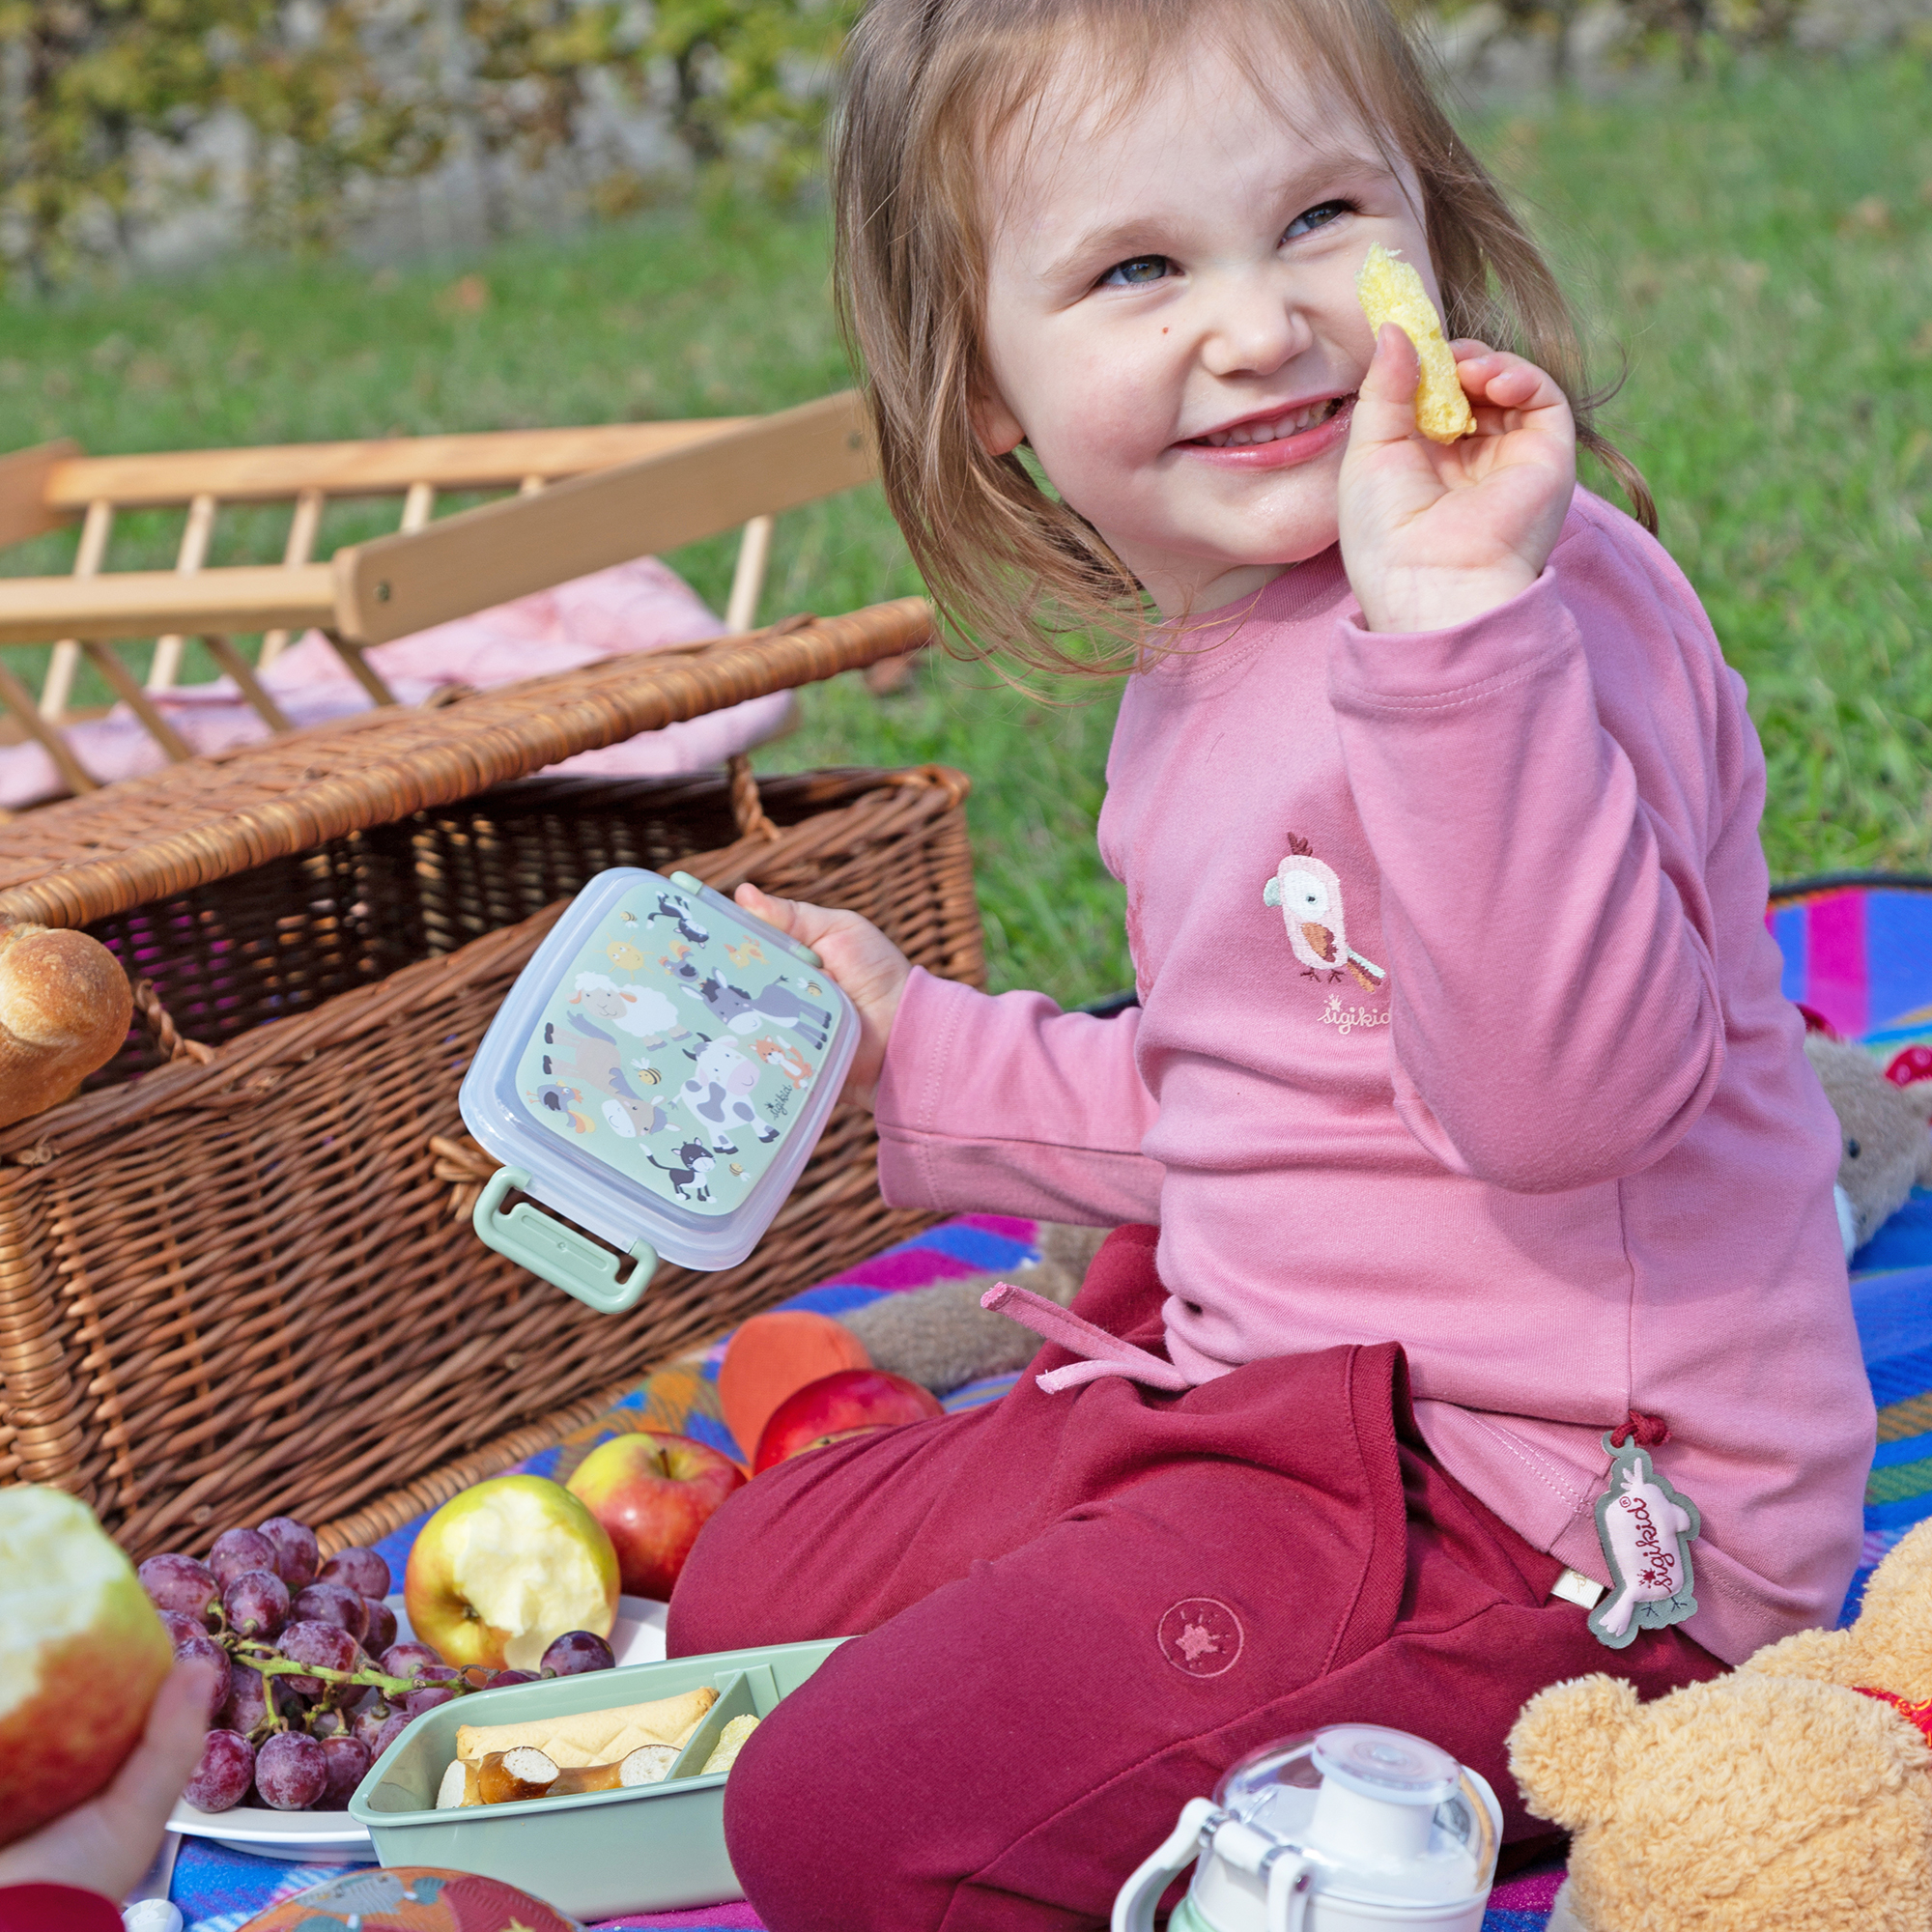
(999, 430)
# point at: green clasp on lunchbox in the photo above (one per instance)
(560, 1255)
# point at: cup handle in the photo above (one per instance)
(1133, 1906)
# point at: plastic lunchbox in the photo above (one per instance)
(653, 1848)
(659, 1073)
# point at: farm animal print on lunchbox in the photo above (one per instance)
(675, 1058)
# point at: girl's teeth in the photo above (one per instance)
(1244, 434)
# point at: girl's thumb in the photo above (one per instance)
(1386, 403)
(781, 913)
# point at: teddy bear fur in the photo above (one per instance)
(941, 1338)
(1884, 1148)
(1778, 1798)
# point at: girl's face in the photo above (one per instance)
(1171, 319)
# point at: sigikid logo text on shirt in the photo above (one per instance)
(1308, 894)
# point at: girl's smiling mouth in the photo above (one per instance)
(1274, 439)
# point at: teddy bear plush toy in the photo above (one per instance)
(1884, 1148)
(1794, 1795)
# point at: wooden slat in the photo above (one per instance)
(264, 707)
(303, 527)
(57, 687)
(378, 468)
(397, 585)
(360, 669)
(26, 509)
(144, 603)
(747, 575)
(127, 688)
(19, 700)
(165, 665)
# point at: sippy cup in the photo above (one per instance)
(1352, 1828)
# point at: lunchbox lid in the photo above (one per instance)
(659, 1073)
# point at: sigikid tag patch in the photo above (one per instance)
(1645, 1528)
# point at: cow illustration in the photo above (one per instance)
(715, 1095)
(776, 1006)
(680, 916)
(788, 1060)
(697, 1160)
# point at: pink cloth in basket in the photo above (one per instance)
(640, 606)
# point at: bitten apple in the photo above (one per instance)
(504, 1568)
(854, 1402)
(82, 1653)
(653, 1493)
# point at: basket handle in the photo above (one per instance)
(158, 1023)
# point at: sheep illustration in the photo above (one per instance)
(1309, 897)
(641, 1011)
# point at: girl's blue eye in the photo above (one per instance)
(1318, 216)
(1137, 273)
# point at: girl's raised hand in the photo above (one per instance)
(1433, 533)
(870, 970)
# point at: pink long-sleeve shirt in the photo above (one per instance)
(1497, 1068)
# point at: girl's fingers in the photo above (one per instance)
(1386, 403)
(797, 918)
(1506, 381)
(150, 1781)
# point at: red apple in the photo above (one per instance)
(506, 1567)
(653, 1493)
(851, 1403)
(82, 1653)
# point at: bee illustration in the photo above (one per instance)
(647, 1075)
(628, 918)
(735, 1169)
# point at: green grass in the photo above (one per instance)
(1760, 246)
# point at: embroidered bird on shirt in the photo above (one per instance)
(1309, 897)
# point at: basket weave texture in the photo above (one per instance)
(242, 1284)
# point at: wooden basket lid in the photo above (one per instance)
(85, 859)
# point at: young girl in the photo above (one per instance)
(1460, 1122)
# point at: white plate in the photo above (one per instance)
(333, 1837)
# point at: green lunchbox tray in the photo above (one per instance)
(651, 1849)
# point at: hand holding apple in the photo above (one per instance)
(82, 1653)
(653, 1493)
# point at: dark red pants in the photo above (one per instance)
(1075, 1611)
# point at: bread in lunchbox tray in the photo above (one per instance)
(593, 1736)
(592, 1752)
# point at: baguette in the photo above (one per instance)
(1389, 290)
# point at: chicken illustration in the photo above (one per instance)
(1309, 896)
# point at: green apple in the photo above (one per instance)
(502, 1569)
(82, 1653)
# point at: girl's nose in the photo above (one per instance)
(1253, 328)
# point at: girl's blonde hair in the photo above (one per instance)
(932, 88)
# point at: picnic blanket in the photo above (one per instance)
(1858, 954)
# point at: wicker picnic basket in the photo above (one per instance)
(236, 1275)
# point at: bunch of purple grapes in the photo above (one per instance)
(312, 1687)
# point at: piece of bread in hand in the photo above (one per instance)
(1389, 290)
(65, 1006)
